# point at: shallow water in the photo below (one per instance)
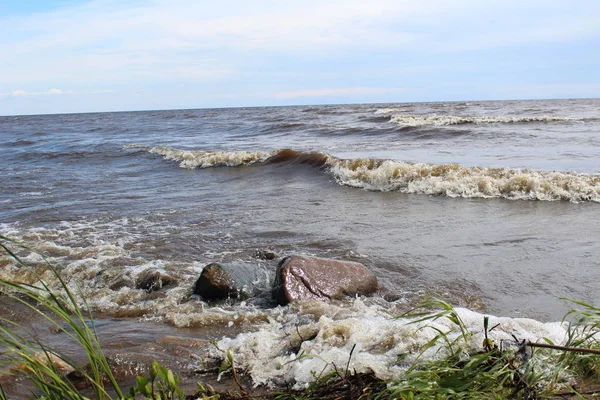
(493, 205)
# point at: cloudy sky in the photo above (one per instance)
(101, 55)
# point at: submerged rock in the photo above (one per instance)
(230, 280)
(265, 254)
(154, 279)
(124, 366)
(115, 278)
(303, 277)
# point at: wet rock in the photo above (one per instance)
(391, 297)
(215, 283)
(228, 280)
(303, 277)
(47, 358)
(122, 282)
(115, 278)
(265, 254)
(154, 279)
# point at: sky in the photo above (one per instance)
(61, 56)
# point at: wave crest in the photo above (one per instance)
(314, 159)
(447, 120)
(206, 159)
(454, 180)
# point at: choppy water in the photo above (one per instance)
(492, 204)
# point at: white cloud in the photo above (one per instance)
(124, 41)
(24, 93)
(205, 50)
(203, 41)
(59, 91)
(334, 92)
(18, 93)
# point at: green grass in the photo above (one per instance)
(493, 371)
(45, 367)
(496, 371)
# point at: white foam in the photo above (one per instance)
(31, 194)
(206, 159)
(445, 120)
(287, 349)
(92, 255)
(454, 180)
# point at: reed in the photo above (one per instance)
(50, 370)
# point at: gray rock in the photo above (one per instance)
(303, 277)
(228, 280)
(215, 283)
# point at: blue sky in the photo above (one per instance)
(109, 55)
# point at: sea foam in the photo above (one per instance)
(454, 180)
(288, 349)
(206, 159)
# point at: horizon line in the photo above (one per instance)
(293, 105)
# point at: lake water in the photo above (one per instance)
(492, 205)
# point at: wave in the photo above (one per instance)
(207, 159)
(452, 180)
(18, 143)
(446, 120)
(376, 118)
(290, 347)
(297, 157)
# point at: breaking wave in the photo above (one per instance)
(206, 159)
(293, 349)
(447, 120)
(452, 180)
(104, 263)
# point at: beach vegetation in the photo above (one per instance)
(54, 374)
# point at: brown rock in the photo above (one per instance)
(303, 277)
(115, 278)
(153, 279)
(265, 254)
